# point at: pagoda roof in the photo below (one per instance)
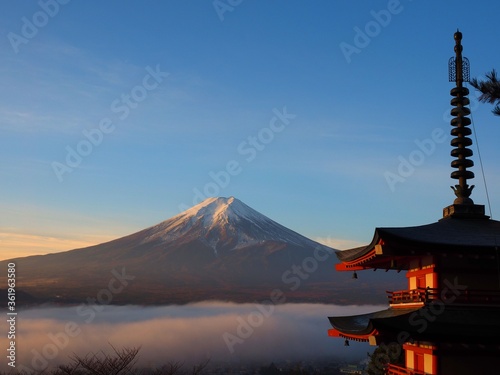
(363, 325)
(447, 235)
(452, 322)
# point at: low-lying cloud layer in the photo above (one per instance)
(220, 331)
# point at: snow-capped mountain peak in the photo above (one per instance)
(218, 211)
(223, 224)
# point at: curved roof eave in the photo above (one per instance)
(449, 233)
(364, 324)
(357, 252)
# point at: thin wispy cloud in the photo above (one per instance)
(338, 243)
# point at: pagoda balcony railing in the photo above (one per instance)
(398, 370)
(408, 296)
(426, 295)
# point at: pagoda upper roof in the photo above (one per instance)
(447, 235)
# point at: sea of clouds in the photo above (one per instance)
(192, 333)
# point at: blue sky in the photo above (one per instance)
(282, 104)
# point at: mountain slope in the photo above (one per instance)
(218, 249)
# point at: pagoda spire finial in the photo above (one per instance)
(459, 72)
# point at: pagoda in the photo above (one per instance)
(448, 320)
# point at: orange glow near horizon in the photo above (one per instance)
(16, 245)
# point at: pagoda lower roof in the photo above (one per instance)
(423, 323)
(450, 234)
(364, 324)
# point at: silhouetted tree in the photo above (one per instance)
(198, 369)
(382, 356)
(490, 90)
(121, 362)
(102, 364)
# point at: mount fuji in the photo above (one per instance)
(224, 224)
(220, 249)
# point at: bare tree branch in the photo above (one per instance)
(121, 362)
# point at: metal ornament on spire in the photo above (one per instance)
(453, 69)
(460, 72)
